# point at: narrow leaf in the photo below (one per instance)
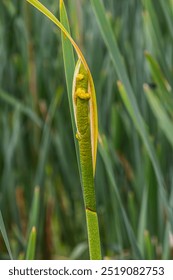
(161, 115)
(30, 253)
(4, 235)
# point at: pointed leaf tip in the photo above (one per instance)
(119, 84)
(145, 87)
(33, 229)
(60, 3)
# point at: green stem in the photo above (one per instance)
(85, 151)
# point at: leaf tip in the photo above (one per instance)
(146, 87)
(119, 84)
(33, 230)
(37, 189)
(146, 53)
(61, 2)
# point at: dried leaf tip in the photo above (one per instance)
(34, 230)
(61, 2)
(119, 84)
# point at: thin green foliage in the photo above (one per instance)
(34, 213)
(30, 253)
(105, 156)
(18, 105)
(129, 100)
(162, 116)
(133, 177)
(68, 55)
(5, 237)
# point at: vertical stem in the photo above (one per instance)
(32, 75)
(88, 185)
(85, 151)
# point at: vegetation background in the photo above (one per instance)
(127, 41)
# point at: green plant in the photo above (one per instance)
(128, 47)
(85, 109)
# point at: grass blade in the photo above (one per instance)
(143, 220)
(162, 86)
(33, 218)
(4, 235)
(156, 34)
(157, 73)
(30, 253)
(168, 14)
(44, 146)
(129, 97)
(132, 238)
(160, 113)
(22, 108)
(68, 55)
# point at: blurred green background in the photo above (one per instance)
(39, 178)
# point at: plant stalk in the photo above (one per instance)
(86, 162)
